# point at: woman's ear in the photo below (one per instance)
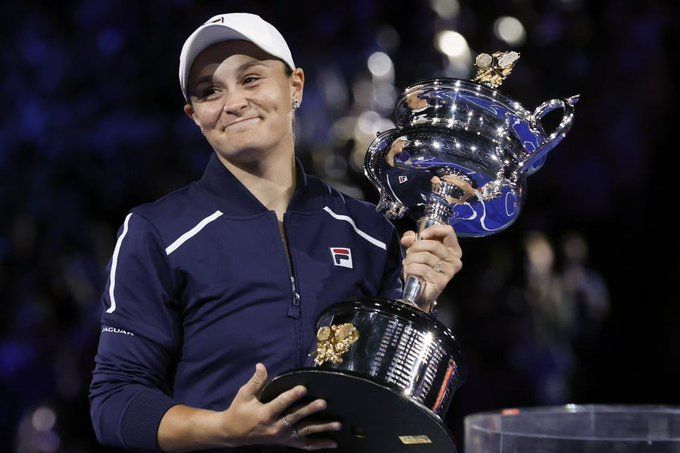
(297, 82)
(189, 111)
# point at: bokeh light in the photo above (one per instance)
(510, 30)
(43, 419)
(380, 65)
(452, 44)
(446, 9)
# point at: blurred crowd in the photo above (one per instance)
(531, 323)
(92, 125)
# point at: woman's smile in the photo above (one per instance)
(242, 124)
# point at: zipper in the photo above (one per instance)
(294, 307)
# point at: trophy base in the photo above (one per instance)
(374, 418)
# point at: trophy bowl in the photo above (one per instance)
(472, 108)
(488, 184)
(469, 137)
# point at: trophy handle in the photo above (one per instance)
(374, 169)
(534, 161)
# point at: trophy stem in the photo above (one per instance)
(437, 211)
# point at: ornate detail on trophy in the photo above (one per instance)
(493, 69)
(453, 186)
(333, 342)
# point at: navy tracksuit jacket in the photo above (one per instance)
(200, 289)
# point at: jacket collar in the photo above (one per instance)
(234, 199)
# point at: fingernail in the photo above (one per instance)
(302, 390)
(333, 445)
(337, 426)
(321, 404)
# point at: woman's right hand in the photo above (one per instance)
(247, 421)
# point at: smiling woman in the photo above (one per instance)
(230, 273)
(243, 100)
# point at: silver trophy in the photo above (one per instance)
(460, 155)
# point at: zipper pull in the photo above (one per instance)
(296, 296)
(294, 309)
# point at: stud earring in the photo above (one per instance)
(296, 104)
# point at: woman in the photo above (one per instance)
(231, 272)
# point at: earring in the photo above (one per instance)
(296, 104)
(202, 131)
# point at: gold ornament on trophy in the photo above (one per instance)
(493, 69)
(333, 342)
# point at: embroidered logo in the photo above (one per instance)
(342, 257)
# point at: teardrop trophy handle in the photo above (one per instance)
(535, 160)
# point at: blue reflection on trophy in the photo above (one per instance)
(461, 153)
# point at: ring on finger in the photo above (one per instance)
(291, 426)
(438, 267)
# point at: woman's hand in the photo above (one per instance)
(247, 421)
(435, 259)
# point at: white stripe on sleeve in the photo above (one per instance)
(114, 264)
(349, 220)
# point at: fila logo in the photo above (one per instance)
(342, 257)
(402, 179)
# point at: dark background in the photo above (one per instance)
(92, 124)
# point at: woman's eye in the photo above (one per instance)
(249, 80)
(207, 92)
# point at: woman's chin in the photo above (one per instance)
(243, 154)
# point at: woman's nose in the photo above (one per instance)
(234, 103)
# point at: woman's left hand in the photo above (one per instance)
(434, 259)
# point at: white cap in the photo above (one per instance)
(225, 27)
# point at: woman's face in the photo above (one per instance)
(241, 97)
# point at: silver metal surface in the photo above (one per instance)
(461, 132)
(400, 347)
(436, 210)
